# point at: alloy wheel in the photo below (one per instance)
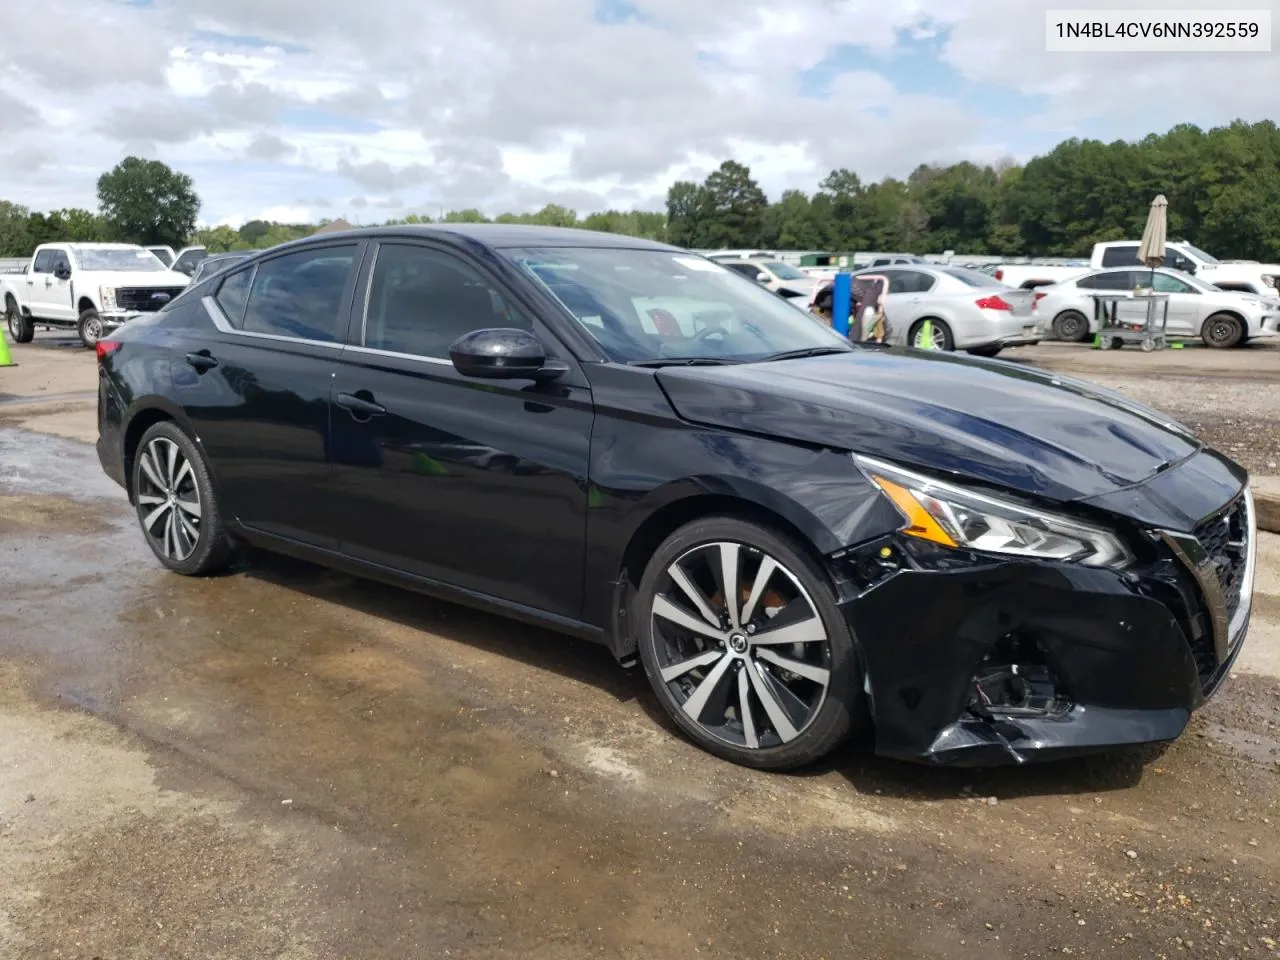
(169, 499)
(92, 330)
(740, 645)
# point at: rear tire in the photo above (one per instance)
(175, 503)
(772, 704)
(1071, 326)
(942, 339)
(1222, 331)
(90, 328)
(22, 329)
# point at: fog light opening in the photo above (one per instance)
(1014, 680)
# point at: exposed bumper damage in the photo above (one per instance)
(1010, 662)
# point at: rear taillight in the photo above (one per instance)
(1035, 303)
(104, 347)
(996, 302)
(999, 274)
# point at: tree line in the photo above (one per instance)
(1223, 187)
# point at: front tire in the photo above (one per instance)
(22, 329)
(90, 328)
(764, 673)
(176, 507)
(1222, 331)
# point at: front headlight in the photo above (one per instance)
(108, 297)
(954, 517)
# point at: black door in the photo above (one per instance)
(257, 389)
(476, 483)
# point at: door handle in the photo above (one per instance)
(360, 406)
(202, 361)
(48, 281)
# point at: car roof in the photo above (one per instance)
(498, 236)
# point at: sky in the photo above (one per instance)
(298, 110)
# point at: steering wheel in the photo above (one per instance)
(708, 332)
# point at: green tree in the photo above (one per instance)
(687, 214)
(735, 207)
(145, 201)
(15, 235)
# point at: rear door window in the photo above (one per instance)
(1115, 280)
(300, 295)
(233, 294)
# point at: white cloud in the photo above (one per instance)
(507, 104)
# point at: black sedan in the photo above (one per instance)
(621, 440)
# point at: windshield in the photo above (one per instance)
(784, 272)
(105, 258)
(652, 305)
(972, 277)
(1200, 254)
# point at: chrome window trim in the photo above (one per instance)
(376, 352)
(223, 325)
(368, 295)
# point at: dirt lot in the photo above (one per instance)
(288, 763)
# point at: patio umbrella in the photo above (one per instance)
(1151, 252)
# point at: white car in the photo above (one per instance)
(968, 310)
(88, 287)
(777, 276)
(1243, 276)
(1221, 318)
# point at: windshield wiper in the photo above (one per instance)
(798, 354)
(683, 362)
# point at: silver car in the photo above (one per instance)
(783, 279)
(1221, 318)
(969, 310)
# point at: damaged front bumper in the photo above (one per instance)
(1010, 662)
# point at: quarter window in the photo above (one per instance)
(422, 300)
(299, 295)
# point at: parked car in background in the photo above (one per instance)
(88, 287)
(1243, 276)
(216, 262)
(629, 443)
(1029, 276)
(779, 277)
(968, 310)
(184, 261)
(1221, 318)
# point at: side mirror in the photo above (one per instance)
(503, 353)
(762, 277)
(62, 272)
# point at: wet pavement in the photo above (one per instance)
(285, 762)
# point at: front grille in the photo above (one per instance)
(1225, 539)
(145, 298)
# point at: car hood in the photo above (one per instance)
(990, 421)
(138, 278)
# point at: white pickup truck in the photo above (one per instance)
(88, 287)
(1243, 276)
